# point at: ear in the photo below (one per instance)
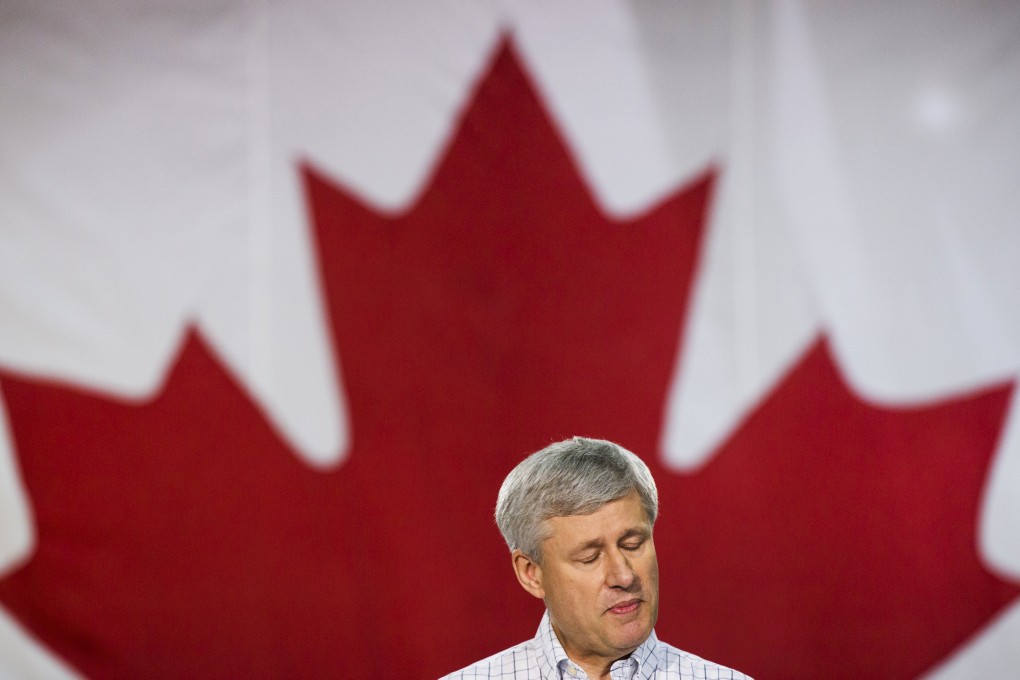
(529, 574)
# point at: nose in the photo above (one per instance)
(619, 572)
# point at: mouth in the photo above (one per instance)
(625, 607)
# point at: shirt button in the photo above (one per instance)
(572, 672)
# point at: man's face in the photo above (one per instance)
(600, 580)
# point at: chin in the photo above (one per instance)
(633, 634)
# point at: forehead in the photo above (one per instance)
(612, 520)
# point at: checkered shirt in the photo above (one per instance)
(543, 658)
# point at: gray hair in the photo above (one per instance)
(572, 477)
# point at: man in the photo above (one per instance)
(578, 517)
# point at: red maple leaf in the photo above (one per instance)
(841, 541)
(180, 537)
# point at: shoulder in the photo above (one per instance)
(510, 663)
(687, 665)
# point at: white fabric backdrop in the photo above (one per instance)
(871, 164)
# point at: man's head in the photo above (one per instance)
(578, 517)
(572, 477)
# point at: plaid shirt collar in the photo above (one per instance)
(555, 664)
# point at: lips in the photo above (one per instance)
(625, 607)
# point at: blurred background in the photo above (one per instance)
(286, 289)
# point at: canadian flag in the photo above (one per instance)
(287, 288)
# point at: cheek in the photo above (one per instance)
(651, 570)
(577, 590)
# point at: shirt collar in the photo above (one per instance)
(551, 655)
(550, 651)
(647, 656)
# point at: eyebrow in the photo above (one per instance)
(594, 543)
(639, 532)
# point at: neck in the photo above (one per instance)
(596, 667)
